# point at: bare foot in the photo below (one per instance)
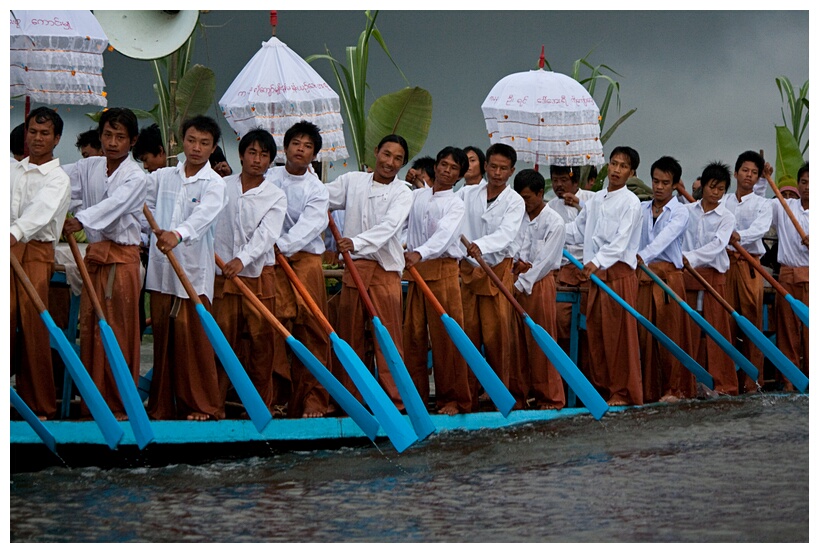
(616, 402)
(312, 414)
(198, 417)
(547, 406)
(42, 417)
(448, 410)
(669, 398)
(121, 417)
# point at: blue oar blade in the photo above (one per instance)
(800, 309)
(254, 405)
(782, 363)
(416, 410)
(398, 430)
(365, 421)
(590, 397)
(137, 416)
(102, 414)
(497, 392)
(32, 420)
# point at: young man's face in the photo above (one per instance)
(255, 161)
(533, 201)
(713, 191)
(389, 158)
(198, 147)
(89, 151)
(802, 186)
(152, 162)
(300, 152)
(498, 169)
(116, 144)
(474, 171)
(562, 183)
(447, 172)
(747, 176)
(41, 139)
(662, 183)
(619, 170)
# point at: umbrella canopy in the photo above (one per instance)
(56, 57)
(546, 117)
(277, 89)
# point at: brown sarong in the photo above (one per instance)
(569, 276)
(791, 334)
(743, 290)
(30, 340)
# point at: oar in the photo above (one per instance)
(256, 409)
(699, 373)
(782, 363)
(798, 307)
(417, 411)
(686, 194)
(397, 429)
(712, 332)
(788, 211)
(35, 423)
(593, 401)
(500, 396)
(345, 399)
(103, 416)
(137, 416)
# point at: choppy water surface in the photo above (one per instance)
(718, 470)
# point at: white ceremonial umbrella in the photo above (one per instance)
(546, 117)
(277, 89)
(56, 57)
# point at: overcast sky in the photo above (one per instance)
(702, 82)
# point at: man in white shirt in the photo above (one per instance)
(709, 229)
(493, 216)
(743, 287)
(433, 234)
(663, 224)
(40, 194)
(568, 202)
(185, 201)
(377, 205)
(475, 173)
(608, 226)
(246, 232)
(108, 193)
(301, 243)
(539, 246)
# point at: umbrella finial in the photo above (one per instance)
(274, 20)
(542, 62)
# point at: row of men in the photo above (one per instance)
(249, 218)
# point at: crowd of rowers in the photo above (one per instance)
(267, 216)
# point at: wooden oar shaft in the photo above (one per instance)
(787, 209)
(496, 279)
(348, 261)
(27, 285)
(758, 267)
(304, 293)
(180, 272)
(436, 305)
(257, 303)
(687, 195)
(708, 286)
(88, 286)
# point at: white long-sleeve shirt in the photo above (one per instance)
(492, 227)
(662, 240)
(109, 207)
(568, 214)
(435, 222)
(306, 218)
(250, 224)
(792, 252)
(707, 235)
(608, 226)
(375, 215)
(189, 206)
(753, 216)
(539, 242)
(39, 200)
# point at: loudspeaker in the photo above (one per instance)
(147, 34)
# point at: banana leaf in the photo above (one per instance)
(407, 112)
(194, 93)
(788, 156)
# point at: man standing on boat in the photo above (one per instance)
(40, 194)
(664, 221)
(108, 193)
(185, 201)
(608, 226)
(302, 244)
(246, 231)
(493, 216)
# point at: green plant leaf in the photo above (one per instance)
(194, 93)
(788, 155)
(407, 112)
(608, 133)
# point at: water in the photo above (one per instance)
(726, 470)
